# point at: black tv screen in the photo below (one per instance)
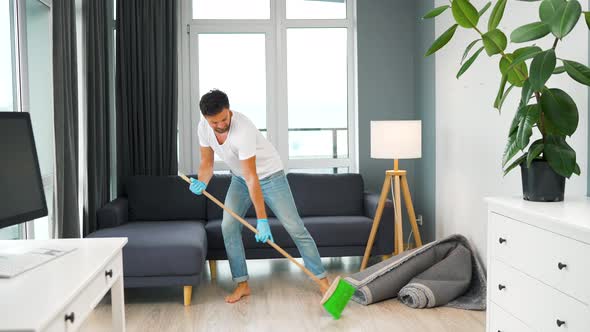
(21, 189)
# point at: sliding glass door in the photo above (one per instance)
(26, 85)
(7, 83)
(38, 71)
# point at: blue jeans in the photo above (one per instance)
(278, 197)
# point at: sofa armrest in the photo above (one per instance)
(113, 214)
(384, 238)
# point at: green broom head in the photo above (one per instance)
(337, 297)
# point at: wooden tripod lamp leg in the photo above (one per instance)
(376, 221)
(411, 213)
(398, 228)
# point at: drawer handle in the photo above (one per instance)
(501, 287)
(559, 323)
(501, 240)
(109, 273)
(70, 317)
(561, 266)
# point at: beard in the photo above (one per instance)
(222, 131)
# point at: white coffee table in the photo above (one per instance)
(59, 295)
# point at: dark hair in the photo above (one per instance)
(213, 102)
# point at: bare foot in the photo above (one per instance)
(241, 290)
(325, 285)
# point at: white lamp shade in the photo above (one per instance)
(396, 139)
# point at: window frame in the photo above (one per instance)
(275, 30)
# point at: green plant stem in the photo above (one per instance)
(503, 55)
(538, 97)
(542, 118)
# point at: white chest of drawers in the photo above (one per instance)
(538, 265)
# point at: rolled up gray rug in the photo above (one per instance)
(441, 283)
(446, 272)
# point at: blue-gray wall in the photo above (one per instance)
(395, 82)
(386, 38)
(425, 111)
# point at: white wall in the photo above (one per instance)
(471, 134)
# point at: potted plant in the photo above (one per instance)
(547, 161)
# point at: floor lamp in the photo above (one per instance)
(395, 140)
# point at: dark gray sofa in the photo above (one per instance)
(172, 232)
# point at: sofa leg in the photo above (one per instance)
(188, 292)
(213, 269)
(385, 257)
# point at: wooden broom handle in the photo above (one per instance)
(245, 223)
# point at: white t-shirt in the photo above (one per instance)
(243, 141)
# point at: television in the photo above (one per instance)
(22, 197)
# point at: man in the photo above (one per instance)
(257, 177)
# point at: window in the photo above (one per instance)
(240, 76)
(38, 69)
(7, 86)
(231, 9)
(287, 64)
(26, 86)
(306, 9)
(318, 115)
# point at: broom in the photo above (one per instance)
(336, 297)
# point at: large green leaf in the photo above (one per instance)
(515, 163)
(516, 120)
(525, 128)
(560, 156)
(517, 75)
(497, 14)
(577, 71)
(534, 151)
(548, 8)
(500, 93)
(561, 110)
(566, 18)
(484, 9)
(468, 48)
(469, 62)
(494, 41)
(503, 99)
(528, 32)
(510, 150)
(442, 40)
(524, 53)
(525, 94)
(541, 69)
(464, 13)
(436, 11)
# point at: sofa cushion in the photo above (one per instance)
(164, 248)
(327, 194)
(218, 186)
(162, 198)
(326, 231)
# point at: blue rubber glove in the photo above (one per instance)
(197, 186)
(263, 231)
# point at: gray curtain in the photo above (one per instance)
(96, 17)
(146, 97)
(65, 98)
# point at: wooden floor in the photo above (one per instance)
(283, 299)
